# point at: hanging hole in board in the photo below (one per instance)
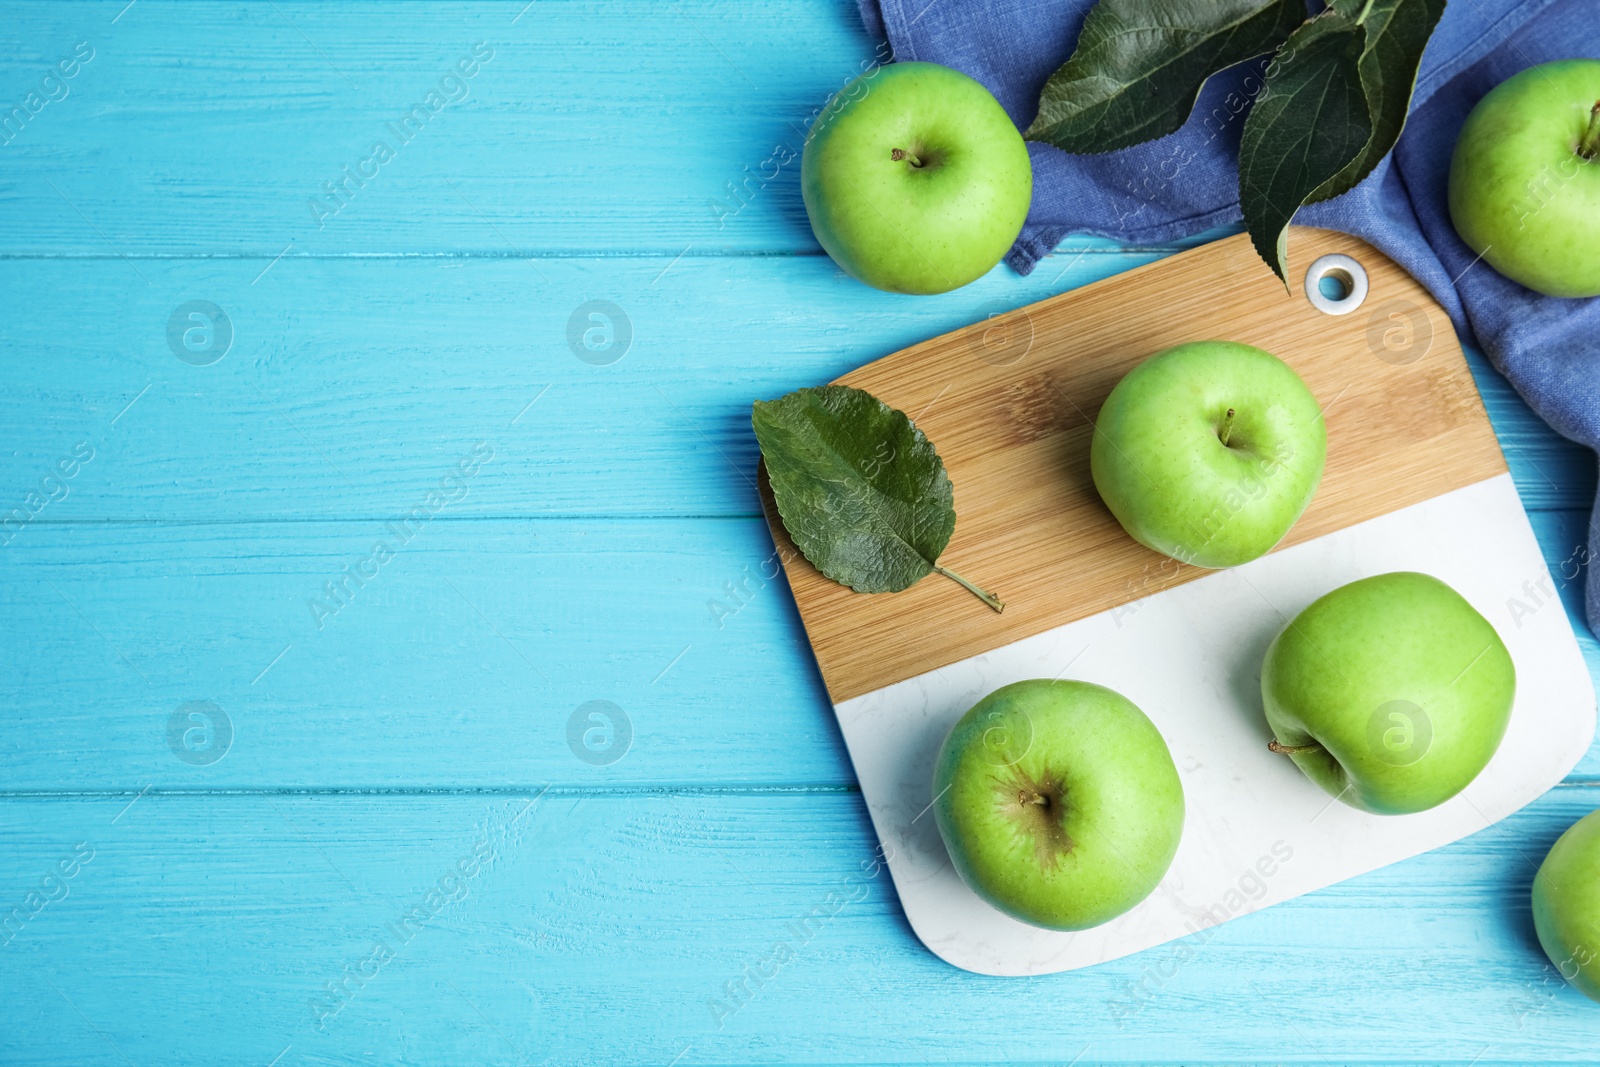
(1336, 284)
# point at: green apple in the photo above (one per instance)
(1209, 452)
(1524, 180)
(1566, 904)
(1058, 802)
(915, 179)
(1391, 693)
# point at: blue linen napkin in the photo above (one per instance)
(1178, 185)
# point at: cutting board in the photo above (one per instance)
(1414, 481)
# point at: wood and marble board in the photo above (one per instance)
(1415, 480)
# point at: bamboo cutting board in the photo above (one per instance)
(1414, 480)
(1010, 404)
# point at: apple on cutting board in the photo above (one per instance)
(1058, 802)
(915, 179)
(1209, 451)
(1391, 692)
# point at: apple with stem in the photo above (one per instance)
(1525, 178)
(915, 179)
(1391, 692)
(1209, 451)
(1058, 802)
(1566, 904)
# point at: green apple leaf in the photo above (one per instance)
(1139, 66)
(1309, 123)
(1397, 32)
(859, 488)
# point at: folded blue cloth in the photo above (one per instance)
(1181, 184)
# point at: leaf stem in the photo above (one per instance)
(988, 598)
(1366, 9)
(1591, 137)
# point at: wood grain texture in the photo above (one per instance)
(409, 687)
(1010, 405)
(351, 386)
(607, 927)
(148, 155)
(596, 126)
(458, 665)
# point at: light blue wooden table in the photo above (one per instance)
(273, 795)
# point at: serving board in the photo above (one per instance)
(1414, 481)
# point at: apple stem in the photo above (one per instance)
(900, 153)
(1290, 750)
(1037, 798)
(1591, 137)
(1227, 428)
(988, 598)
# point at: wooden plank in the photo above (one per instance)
(350, 387)
(531, 155)
(420, 682)
(204, 929)
(1014, 431)
(146, 156)
(459, 662)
